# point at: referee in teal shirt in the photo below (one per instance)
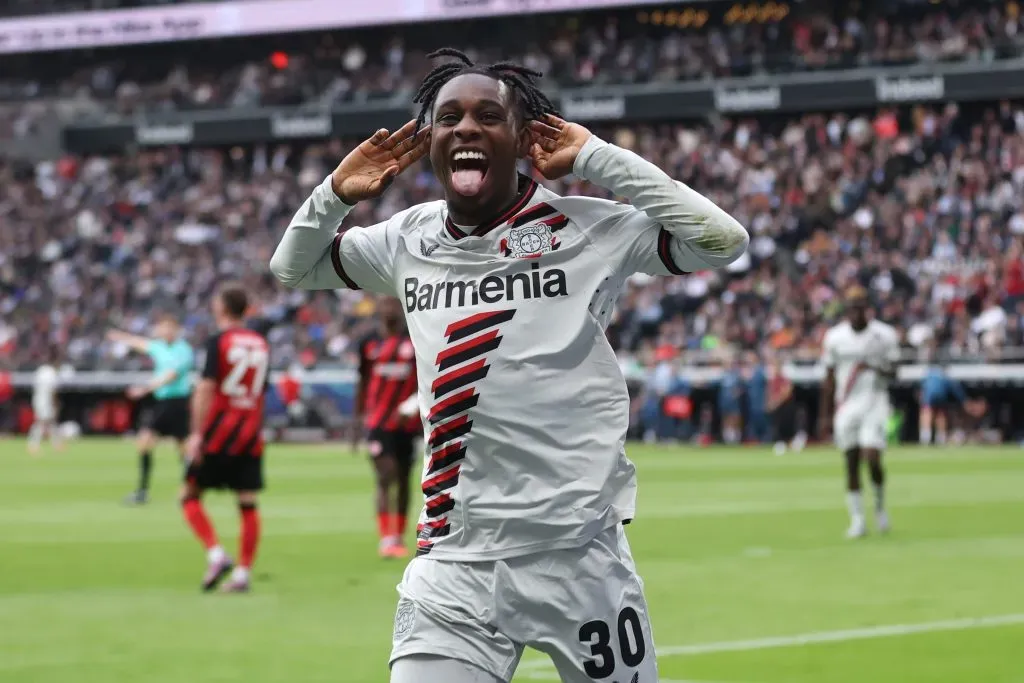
(171, 387)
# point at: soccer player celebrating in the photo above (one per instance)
(44, 404)
(387, 379)
(225, 449)
(507, 288)
(171, 387)
(860, 357)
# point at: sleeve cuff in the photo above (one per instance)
(331, 202)
(592, 145)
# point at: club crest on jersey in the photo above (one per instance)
(427, 250)
(529, 241)
(406, 350)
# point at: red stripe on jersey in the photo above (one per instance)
(465, 346)
(854, 374)
(222, 433)
(437, 502)
(463, 395)
(385, 393)
(396, 422)
(466, 322)
(443, 478)
(250, 439)
(450, 430)
(451, 449)
(447, 378)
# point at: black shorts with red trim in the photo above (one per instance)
(223, 471)
(396, 444)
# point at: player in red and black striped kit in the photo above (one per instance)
(387, 387)
(226, 451)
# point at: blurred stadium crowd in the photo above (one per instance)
(626, 46)
(922, 204)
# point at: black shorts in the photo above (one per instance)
(223, 471)
(399, 445)
(784, 421)
(168, 417)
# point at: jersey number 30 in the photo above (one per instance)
(239, 383)
(598, 635)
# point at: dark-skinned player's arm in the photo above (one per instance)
(313, 254)
(363, 383)
(700, 234)
(826, 406)
(202, 399)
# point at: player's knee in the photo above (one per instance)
(431, 668)
(247, 500)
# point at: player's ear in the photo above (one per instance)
(522, 138)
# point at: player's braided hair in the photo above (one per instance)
(520, 80)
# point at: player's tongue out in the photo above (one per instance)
(468, 181)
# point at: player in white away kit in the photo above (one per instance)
(860, 358)
(44, 405)
(507, 289)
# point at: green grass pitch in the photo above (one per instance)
(748, 576)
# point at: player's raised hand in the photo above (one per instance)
(555, 144)
(371, 167)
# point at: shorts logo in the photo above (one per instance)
(376, 448)
(405, 618)
(529, 241)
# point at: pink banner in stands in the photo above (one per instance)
(252, 17)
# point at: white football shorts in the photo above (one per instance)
(583, 607)
(862, 424)
(44, 411)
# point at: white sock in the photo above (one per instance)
(855, 505)
(799, 441)
(240, 574)
(926, 435)
(35, 434)
(940, 437)
(215, 554)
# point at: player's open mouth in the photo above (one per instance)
(469, 168)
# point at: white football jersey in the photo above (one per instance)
(44, 387)
(854, 355)
(526, 408)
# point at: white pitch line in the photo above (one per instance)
(823, 637)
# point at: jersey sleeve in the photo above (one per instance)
(211, 364)
(364, 258)
(313, 254)
(668, 229)
(634, 243)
